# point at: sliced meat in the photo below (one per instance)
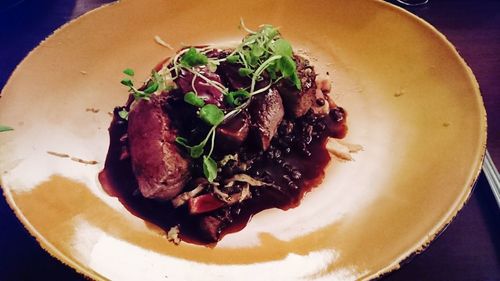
(298, 102)
(205, 90)
(210, 227)
(232, 134)
(213, 224)
(204, 204)
(229, 72)
(266, 112)
(160, 169)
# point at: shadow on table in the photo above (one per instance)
(23, 24)
(457, 15)
(468, 249)
(490, 211)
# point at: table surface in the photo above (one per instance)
(468, 250)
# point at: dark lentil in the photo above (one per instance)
(296, 174)
(287, 178)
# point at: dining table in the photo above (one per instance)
(469, 248)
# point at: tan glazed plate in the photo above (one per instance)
(413, 105)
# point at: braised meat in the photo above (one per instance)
(229, 73)
(266, 111)
(233, 133)
(210, 227)
(298, 102)
(160, 169)
(210, 94)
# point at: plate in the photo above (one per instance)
(413, 104)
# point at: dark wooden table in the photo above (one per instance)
(468, 250)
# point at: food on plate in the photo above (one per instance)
(216, 135)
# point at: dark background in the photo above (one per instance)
(468, 250)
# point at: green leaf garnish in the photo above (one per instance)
(197, 150)
(193, 99)
(209, 168)
(244, 71)
(157, 82)
(153, 86)
(129, 72)
(123, 114)
(211, 114)
(282, 47)
(157, 78)
(296, 81)
(251, 59)
(194, 151)
(127, 82)
(182, 141)
(287, 66)
(237, 98)
(193, 58)
(4, 128)
(288, 69)
(233, 58)
(256, 51)
(269, 31)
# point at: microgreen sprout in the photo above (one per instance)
(211, 114)
(265, 50)
(197, 150)
(156, 83)
(193, 99)
(123, 114)
(237, 97)
(4, 128)
(209, 168)
(193, 58)
(129, 72)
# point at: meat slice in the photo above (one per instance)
(160, 169)
(234, 80)
(210, 227)
(206, 91)
(266, 111)
(232, 133)
(204, 204)
(298, 102)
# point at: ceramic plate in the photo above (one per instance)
(413, 105)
